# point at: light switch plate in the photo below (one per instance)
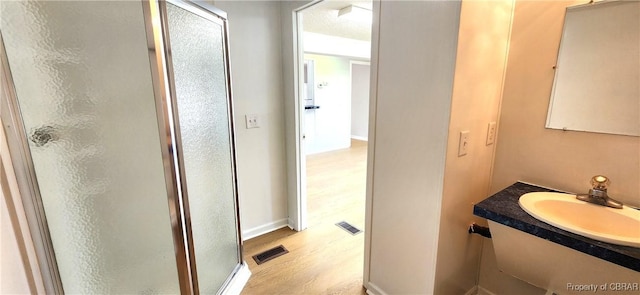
(491, 133)
(463, 145)
(252, 121)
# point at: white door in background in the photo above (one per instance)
(360, 100)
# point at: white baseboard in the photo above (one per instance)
(359, 138)
(290, 223)
(483, 291)
(263, 229)
(238, 281)
(372, 289)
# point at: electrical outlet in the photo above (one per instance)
(252, 121)
(463, 145)
(491, 133)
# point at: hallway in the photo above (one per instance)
(323, 259)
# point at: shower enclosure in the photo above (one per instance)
(118, 116)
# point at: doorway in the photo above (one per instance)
(322, 258)
(334, 37)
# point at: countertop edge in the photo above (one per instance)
(556, 235)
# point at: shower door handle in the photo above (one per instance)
(43, 135)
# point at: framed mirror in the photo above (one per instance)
(597, 78)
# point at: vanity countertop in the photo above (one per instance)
(503, 208)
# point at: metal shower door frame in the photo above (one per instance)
(210, 13)
(24, 169)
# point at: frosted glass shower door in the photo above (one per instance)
(199, 65)
(83, 81)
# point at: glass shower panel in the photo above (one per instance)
(198, 60)
(84, 88)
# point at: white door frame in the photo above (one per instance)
(297, 203)
(297, 200)
(351, 63)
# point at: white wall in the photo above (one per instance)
(329, 127)
(360, 100)
(256, 69)
(527, 151)
(480, 66)
(413, 63)
(332, 45)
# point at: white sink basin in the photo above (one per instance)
(615, 226)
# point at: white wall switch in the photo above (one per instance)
(252, 121)
(491, 133)
(463, 146)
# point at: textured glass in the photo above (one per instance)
(84, 87)
(202, 98)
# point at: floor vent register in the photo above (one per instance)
(348, 227)
(270, 254)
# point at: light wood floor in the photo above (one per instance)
(323, 259)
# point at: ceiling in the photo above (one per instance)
(322, 18)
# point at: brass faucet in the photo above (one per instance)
(598, 194)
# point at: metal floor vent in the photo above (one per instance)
(348, 227)
(270, 254)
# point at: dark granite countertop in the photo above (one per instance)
(503, 208)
